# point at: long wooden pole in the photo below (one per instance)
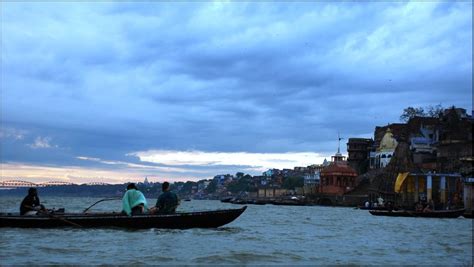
(105, 199)
(55, 217)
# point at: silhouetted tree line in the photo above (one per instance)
(72, 190)
(429, 111)
(243, 183)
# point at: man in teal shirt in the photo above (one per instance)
(133, 202)
(167, 202)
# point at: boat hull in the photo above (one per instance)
(203, 219)
(468, 215)
(373, 208)
(431, 214)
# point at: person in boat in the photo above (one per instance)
(367, 204)
(418, 207)
(31, 203)
(429, 207)
(380, 201)
(133, 201)
(389, 206)
(448, 204)
(167, 202)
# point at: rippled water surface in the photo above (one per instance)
(261, 235)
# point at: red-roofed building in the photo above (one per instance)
(338, 178)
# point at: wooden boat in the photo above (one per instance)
(226, 200)
(240, 201)
(430, 214)
(184, 220)
(371, 208)
(468, 215)
(288, 202)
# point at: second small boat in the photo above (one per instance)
(429, 214)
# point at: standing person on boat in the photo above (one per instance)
(133, 202)
(167, 202)
(367, 204)
(31, 203)
(380, 201)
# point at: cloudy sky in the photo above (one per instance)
(114, 92)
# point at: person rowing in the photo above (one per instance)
(31, 203)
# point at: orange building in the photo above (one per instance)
(338, 178)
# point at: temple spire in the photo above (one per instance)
(338, 157)
(338, 143)
(339, 138)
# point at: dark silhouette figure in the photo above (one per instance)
(31, 202)
(167, 202)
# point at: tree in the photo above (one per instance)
(429, 111)
(187, 187)
(241, 185)
(411, 112)
(292, 182)
(211, 188)
(435, 111)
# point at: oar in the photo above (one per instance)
(55, 217)
(105, 199)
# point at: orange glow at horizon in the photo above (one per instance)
(77, 175)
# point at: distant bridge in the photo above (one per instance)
(16, 184)
(96, 183)
(54, 183)
(11, 184)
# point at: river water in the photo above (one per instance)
(261, 235)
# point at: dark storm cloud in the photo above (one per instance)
(110, 79)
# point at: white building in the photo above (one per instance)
(385, 151)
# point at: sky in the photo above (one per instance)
(116, 92)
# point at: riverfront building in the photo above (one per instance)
(435, 150)
(358, 150)
(338, 178)
(444, 189)
(469, 194)
(385, 151)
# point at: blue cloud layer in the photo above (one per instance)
(109, 79)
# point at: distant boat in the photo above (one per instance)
(372, 208)
(429, 214)
(226, 200)
(187, 199)
(183, 220)
(288, 202)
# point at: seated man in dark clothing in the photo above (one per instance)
(31, 203)
(167, 202)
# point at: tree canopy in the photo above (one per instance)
(429, 111)
(241, 185)
(292, 182)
